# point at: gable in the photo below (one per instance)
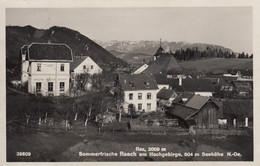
(78, 64)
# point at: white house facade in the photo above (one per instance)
(140, 90)
(85, 64)
(143, 100)
(48, 68)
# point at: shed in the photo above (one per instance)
(198, 110)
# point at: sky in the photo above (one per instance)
(230, 27)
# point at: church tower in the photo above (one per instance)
(159, 51)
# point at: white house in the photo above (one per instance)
(84, 65)
(46, 68)
(139, 90)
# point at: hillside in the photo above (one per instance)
(217, 64)
(150, 47)
(81, 45)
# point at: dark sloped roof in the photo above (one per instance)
(164, 64)
(244, 72)
(77, 62)
(137, 81)
(182, 111)
(192, 85)
(46, 51)
(197, 101)
(243, 86)
(239, 108)
(161, 79)
(165, 94)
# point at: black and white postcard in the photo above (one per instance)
(157, 82)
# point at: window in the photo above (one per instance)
(139, 96)
(139, 106)
(130, 96)
(38, 87)
(62, 67)
(39, 67)
(50, 86)
(148, 106)
(91, 67)
(84, 67)
(149, 95)
(62, 85)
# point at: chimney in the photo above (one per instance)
(184, 99)
(180, 81)
(23, 57)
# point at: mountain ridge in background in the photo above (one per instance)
(81, 45)
(143, 50)
(150, 47)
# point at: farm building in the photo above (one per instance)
(196, 110)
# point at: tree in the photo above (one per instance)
(64, 107)
(119, 101)
(132, 110)
(97, 81)
(81, 80)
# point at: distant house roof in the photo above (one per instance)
(192, 85)
(246, 72)
(49, 52)
(161, 79)
(165, 94)
(188, 84)
(243, 72)
(243, 86)
(76, 62)
(166, 63)
(137, 82)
